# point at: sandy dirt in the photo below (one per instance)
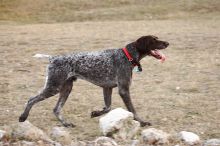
(181, 94)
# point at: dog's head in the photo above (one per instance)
(150, 45)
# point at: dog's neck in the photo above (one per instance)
(133, 51)
(135, 56)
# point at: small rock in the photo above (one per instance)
(29, 132)
(41, 56)
(28, 143)
(79, 143)
(153, 136)
(44, 143)
(134, 143)
(61, 135)
(119, 123)
(130, 130)
(105, 141)
(2, 134)
(177, 88)
(189, 138)
(212, 142)
(13, 144)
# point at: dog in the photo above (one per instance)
(108, 69)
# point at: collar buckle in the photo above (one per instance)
(131, 60)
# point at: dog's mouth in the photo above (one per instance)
(158, 54)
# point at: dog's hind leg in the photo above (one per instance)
(107, 92)
(46, 93)
(64, 93)
(51, 88)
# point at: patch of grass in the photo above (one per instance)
(49, 11)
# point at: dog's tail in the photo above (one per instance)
(42, 56)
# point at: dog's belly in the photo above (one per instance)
(101, 82)
(102, 79)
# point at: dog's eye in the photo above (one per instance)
(154, 40)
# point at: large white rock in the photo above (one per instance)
(61, 135)
(119, 123)
(189, 138)
(152, 136)
(212, 142)
(113, 120)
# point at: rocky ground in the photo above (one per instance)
(118, 125)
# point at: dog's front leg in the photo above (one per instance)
(107, 92)
(125, 95)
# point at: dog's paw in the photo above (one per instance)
(22, 118)
(142, 123)
(95, 114)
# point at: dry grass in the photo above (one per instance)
(49, 11)
(193, 65)
(191, 26)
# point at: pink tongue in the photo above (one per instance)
(163, 58)
(158, 53)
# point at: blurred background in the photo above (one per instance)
(181, 94)
(51, 11)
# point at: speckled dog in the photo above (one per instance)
(107, 69)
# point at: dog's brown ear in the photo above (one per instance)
(141, 44)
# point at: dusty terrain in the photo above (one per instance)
(181, 94)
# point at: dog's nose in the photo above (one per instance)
(166, 43)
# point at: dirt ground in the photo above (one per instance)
(181, 94)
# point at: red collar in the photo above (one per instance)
(132, 60)
(127, 54)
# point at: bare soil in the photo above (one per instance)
(181, 94)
